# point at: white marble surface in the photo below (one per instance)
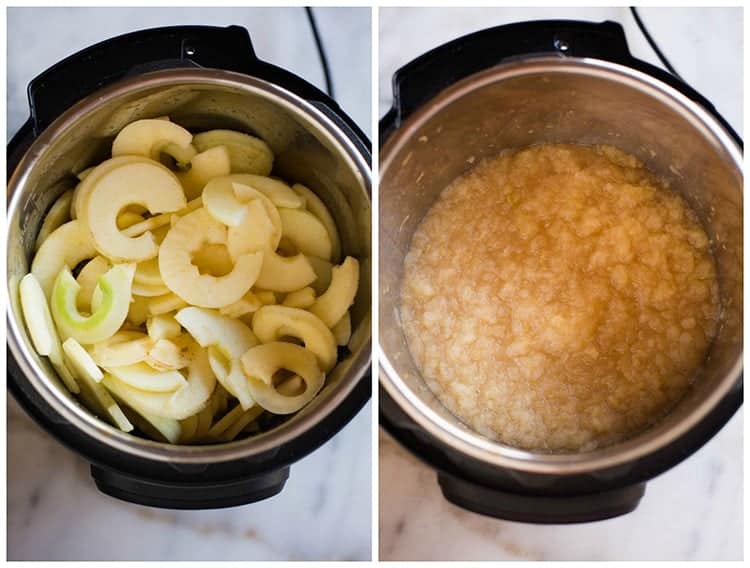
(693, 511)
(324, 513)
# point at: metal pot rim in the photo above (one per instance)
(473, 444)
(83, 420)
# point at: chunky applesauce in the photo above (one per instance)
(560, 297)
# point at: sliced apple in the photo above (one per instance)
(128, 219)
(302, 298)
(83, 174)
(279, 193)
(306, 232)
(138, 311)
(155, 427)
(81, 362)
(148, 184)
(260, 363)
(149, 291)
(256, 232)
(58, 214)
(166, 355)
(178, 405)
(121, 353)
(98, 400)
(160, 222)
(42, 329)
(87, 280)
(323, 270)
(184, 279)
(106, 319)
(144, 377)
(238, 425)
(163, 326)
(245, 305)
(68, 245)
(315, 205)
(271, 323)
(205, 166)
(284, 274)
(181, 154)
(342, 331)
(164, 304)
(149, 137)
(247, 154)
(333, 304)
(230, 337)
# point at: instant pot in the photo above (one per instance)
(202, 78)
(547, 82)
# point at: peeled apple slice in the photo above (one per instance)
(68, 245)
(87, 280)
(246, 153)
(323, 270)
(106, 319)
(256, 232)
(261, 363)
(128, 219)
(205, 166)
(333, 304)
(98, 399)
(164, 304)
(271, 323)
(315, 205)
(160, 222)
(143, 377)
(165, 355)
(115, 353)
(149, 291)
(81, 361)
(230, 337)
(245, 305)
(342, 331)
(181, 276)
(148, 137)
(155, 427)
(58, 214)
(305, 232)
(42, 329)
(284, 274)
(177, 405)
(163, 327)
(279, 193)
(302, 298)
(148, 184)
(147, 273)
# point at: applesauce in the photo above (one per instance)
(559, 297)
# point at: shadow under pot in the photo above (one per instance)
(551, 82)
(77, 107)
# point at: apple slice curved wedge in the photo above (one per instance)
(205, 166)
(306, 232)
(185, 239)
(333, 304)
(67, 245)
(143, 377)
(284, 274)
(279, 193)
(148, 184)
(246, 153)
(148, 137)
(103, 323)
(315, 205)
(227, 339)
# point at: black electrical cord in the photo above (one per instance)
(321, 51)
(652, 43)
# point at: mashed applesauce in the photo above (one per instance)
(560, 297)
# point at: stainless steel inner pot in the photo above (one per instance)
(309, 147)
(552, 99)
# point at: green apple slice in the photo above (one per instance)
(42, 329)
(333, 304)
(143, 377)
(163, 326)
(315, 205)
(88, 278)
(106, 319)
(67, 245)
(177, 405)
(181, 276)
(279, 193)
(306, 232)
(271, 323)
(246, 153)
(58, 214)
(148, 184)
(284, 274)
(302, 298)
(81, 361)
(260, 363)
(148, 137)
(229, 339)
(342, 331)
(205, 166)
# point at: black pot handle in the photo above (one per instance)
(424, 77)
(81, 74)
(189, 495)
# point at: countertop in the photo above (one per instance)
(324, 513)
(691, 512)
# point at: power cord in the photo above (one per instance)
(652, 43)
(321, 51)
